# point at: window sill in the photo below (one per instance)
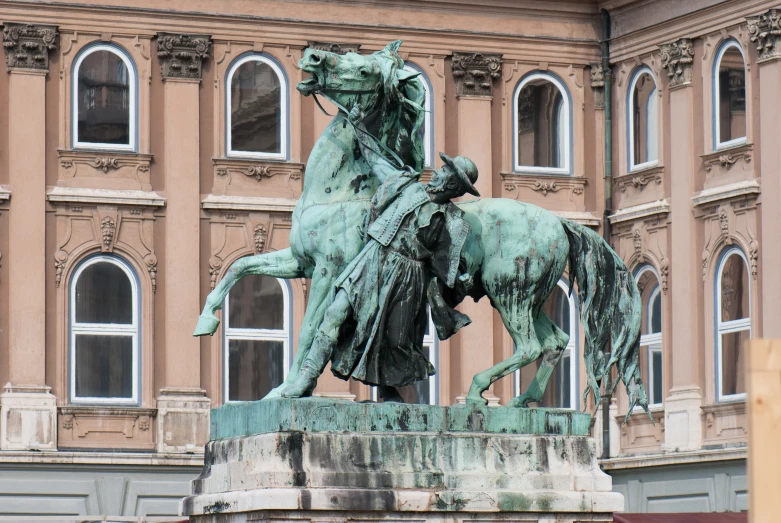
(641, 167)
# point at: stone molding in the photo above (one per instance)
(724, 423)
(106, 427)
(584, 218)
(637, 212)
(598, 85)
(765, 29)
(5, 194)
(674, 458)
(474, 73)
(543, 184)
(258, 170)
(746, 188)
(334, 47)
(27, 46)
(28, 418)
(638, 180)
(109, 169)
(181, 55)
(182, 420)
(248, 203)
(726, 158)
(678, 59)
(639, 434)
(59, 194)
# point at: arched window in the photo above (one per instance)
(105, 110)
(428, 132)
(729, 96)
(651, 365)
(256, 119)
(257, 337)
(104, 332)
(643, 116)
(733, 324)
(541, 125)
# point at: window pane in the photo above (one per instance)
(254, 368)
(656, 366)
(557, 308)
(419, 391)
(104, 366)
(732, 96)
(656, 313)
(734, 289)
(256, 302)
(104, 295)
(645, 119)
(256, 108)
(541, 125)
(557, 394)
(104, 99)
(733, 372)
(648, 285)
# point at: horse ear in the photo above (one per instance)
(393, 47)
(407, 75)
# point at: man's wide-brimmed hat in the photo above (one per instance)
(465, 169)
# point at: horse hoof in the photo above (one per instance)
(275, 393)
(206, 325)
(520, 402)
(476, 399)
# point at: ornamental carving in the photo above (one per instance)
(151, 265)
(260, 237)
(27, 46)
(753, 256)
(724, 224)
(637, 239)
(108, 228)
(334, 47)
(765, 29)
(545, 187)
(664, 272)
(60, 260)
(215, 264)
(598, 85)
(474, 73)
(181, 55)
(677, 58)
(104, 164)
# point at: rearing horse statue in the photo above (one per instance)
(517, 252)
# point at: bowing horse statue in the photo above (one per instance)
(517, 252)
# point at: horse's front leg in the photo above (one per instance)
(279, 264)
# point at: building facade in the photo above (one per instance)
(144, 150)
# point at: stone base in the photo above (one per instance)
(316, 459)
(28, 418)
(683, 420)
(182, 420)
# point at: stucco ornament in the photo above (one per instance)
(27, 46)
(181, 55)
(678, 58)
(765, 30)
(361, 194)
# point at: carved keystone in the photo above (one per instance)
(27, 46)
(334, 47)
(474, 73)
(677, 58)
(765, 29)
(181, 55)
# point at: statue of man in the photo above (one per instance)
(373, 331)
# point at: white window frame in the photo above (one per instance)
(567, 107)
(428, 133)
(231, 333)
(718, 145)
(132, 100)
(283, 107)
(654, 339)
(631, 120)
(105, 329)
(570, 350)
(727, 327)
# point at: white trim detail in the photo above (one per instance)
(640, 211)
(719, 145)
(57, 194)
(631, 120)
(723, 192)
(248, 203)
(727, 327)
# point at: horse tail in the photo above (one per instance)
(610, 310)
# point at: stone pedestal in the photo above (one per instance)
(28, 418)
(325, 460)
(182, 420)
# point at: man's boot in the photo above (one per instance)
(313, 366)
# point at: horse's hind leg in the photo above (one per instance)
(553, 341)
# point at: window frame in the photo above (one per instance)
(285, 336)
(647, 340)
(568, 153)
(132, 99)
(728, 327)
(284, 130)
(718, 145)
(631, 165)
(104, 329)
(428, 130)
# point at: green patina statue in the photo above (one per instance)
(362, 209)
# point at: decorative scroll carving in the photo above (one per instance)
(514, 182)
(727, 160)
(104, 164)
(664, 270)
(151, 266)
(334, 47)
(753, 256)
(60, 259)
(545, 187)
(637, 239)
(765, 29)
(181, 55)
(474, 73)
(215, 264)
(640, 181)
(261, 234)
(27, 46)
(724, 224)
(677, 58)
(598, 85)
(225, 167)
(108, 228)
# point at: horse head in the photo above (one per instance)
(389, 98)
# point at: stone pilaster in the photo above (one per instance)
(678, 58)
(765, 30)
(181, 55)
(598, 86)
(28, 411)
(474, 73)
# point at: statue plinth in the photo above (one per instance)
(325, 460)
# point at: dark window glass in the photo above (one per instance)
(734, 289)
(648, 284)
(256, 108)
(656, 362)
(733, 360)
(656, 313)
(256, 302)
(542, 122)
(557, 308)
(104, 295)
(254, 368)
(732, 96)
(645, 118)
(104, 99)
(104, 366)
(557, 395)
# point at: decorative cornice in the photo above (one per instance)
(728, 157)
(59, 194)
(248, 203)
(334, 47)
(598, 85)
(765, 29)
(642, 211)
(678, 58)
(544, 184)
(473, 73)
(27, 46)
(181, 55)
(727, 192)
(258, 170)
(640, 179)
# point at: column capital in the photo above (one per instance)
(334, 47)
(181, 55)
(598, 85)
(765, 29)
(27, 46)
(473, 73)
(678, 58)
